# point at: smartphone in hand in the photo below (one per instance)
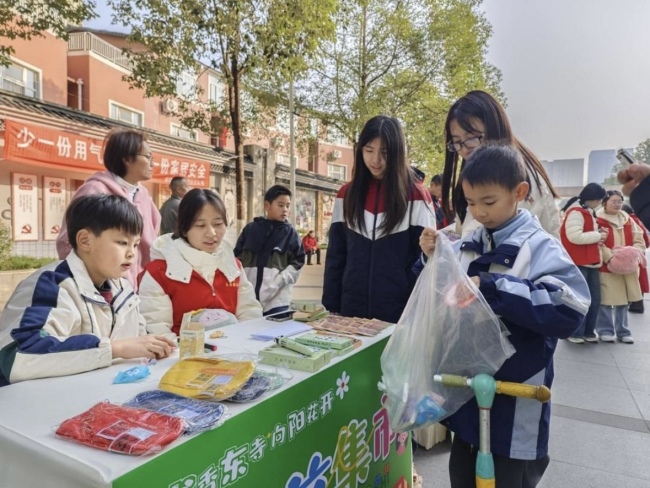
(624, 156)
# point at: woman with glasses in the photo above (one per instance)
(473, 120)
(617, 290)
(127, 158)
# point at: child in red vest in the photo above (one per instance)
(195, 268)
(582, 239)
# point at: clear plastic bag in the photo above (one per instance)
(113, 428)
(199, 415)
(447, 327)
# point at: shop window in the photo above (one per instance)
(337, 171)
(125, 114)
(20, 79)
(179, 131)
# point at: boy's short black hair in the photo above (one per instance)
(101, 212)
(436, 180)
(494, 164)
(276, 191)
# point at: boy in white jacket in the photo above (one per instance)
(79, 314)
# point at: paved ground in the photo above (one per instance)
(600, 430)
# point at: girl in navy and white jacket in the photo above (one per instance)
(376, 223)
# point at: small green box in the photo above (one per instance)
(345, 350)
(275, 355)
(309, 306)
(324, 341)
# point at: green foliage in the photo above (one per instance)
(612, 178)
(5, 242)
(13, 263)
(244, 40)
(406, 58)
(25, 19)
(642, 152)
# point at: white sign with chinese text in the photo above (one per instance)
(24, 207)
(53, 206)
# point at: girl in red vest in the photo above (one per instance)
(617, 290)
(637, 307)
(195, 268)
(582, 239)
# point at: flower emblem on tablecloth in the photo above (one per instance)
(343, 385)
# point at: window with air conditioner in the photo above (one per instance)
(178, 130)
(186, 85)
(125, 114)
(337, 171)
(20, 79)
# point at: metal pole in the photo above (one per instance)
(292, 159)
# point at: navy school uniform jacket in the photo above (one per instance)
(534, 287)
(369, 274)
(272, 255)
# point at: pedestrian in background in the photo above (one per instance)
(169, 210)
(473, 120)
(271, 252)
(644, 283)
(617, 290)
(435, 188)
(582, 240)
(376, 224)
(310, 244)
(127, 158)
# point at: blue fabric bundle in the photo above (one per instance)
(254, 387)
(199, 415)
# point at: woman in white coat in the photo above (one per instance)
(617, 290)
(194, 268)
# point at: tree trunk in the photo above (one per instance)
(235, 114)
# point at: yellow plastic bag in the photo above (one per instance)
(207, 378)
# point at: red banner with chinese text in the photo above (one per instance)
(197, 173)
(34, 144)
(38, 145)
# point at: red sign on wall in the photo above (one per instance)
(34, 144)
(197, 173)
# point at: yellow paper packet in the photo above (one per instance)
(207, 378)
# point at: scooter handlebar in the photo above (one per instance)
(540, 393)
